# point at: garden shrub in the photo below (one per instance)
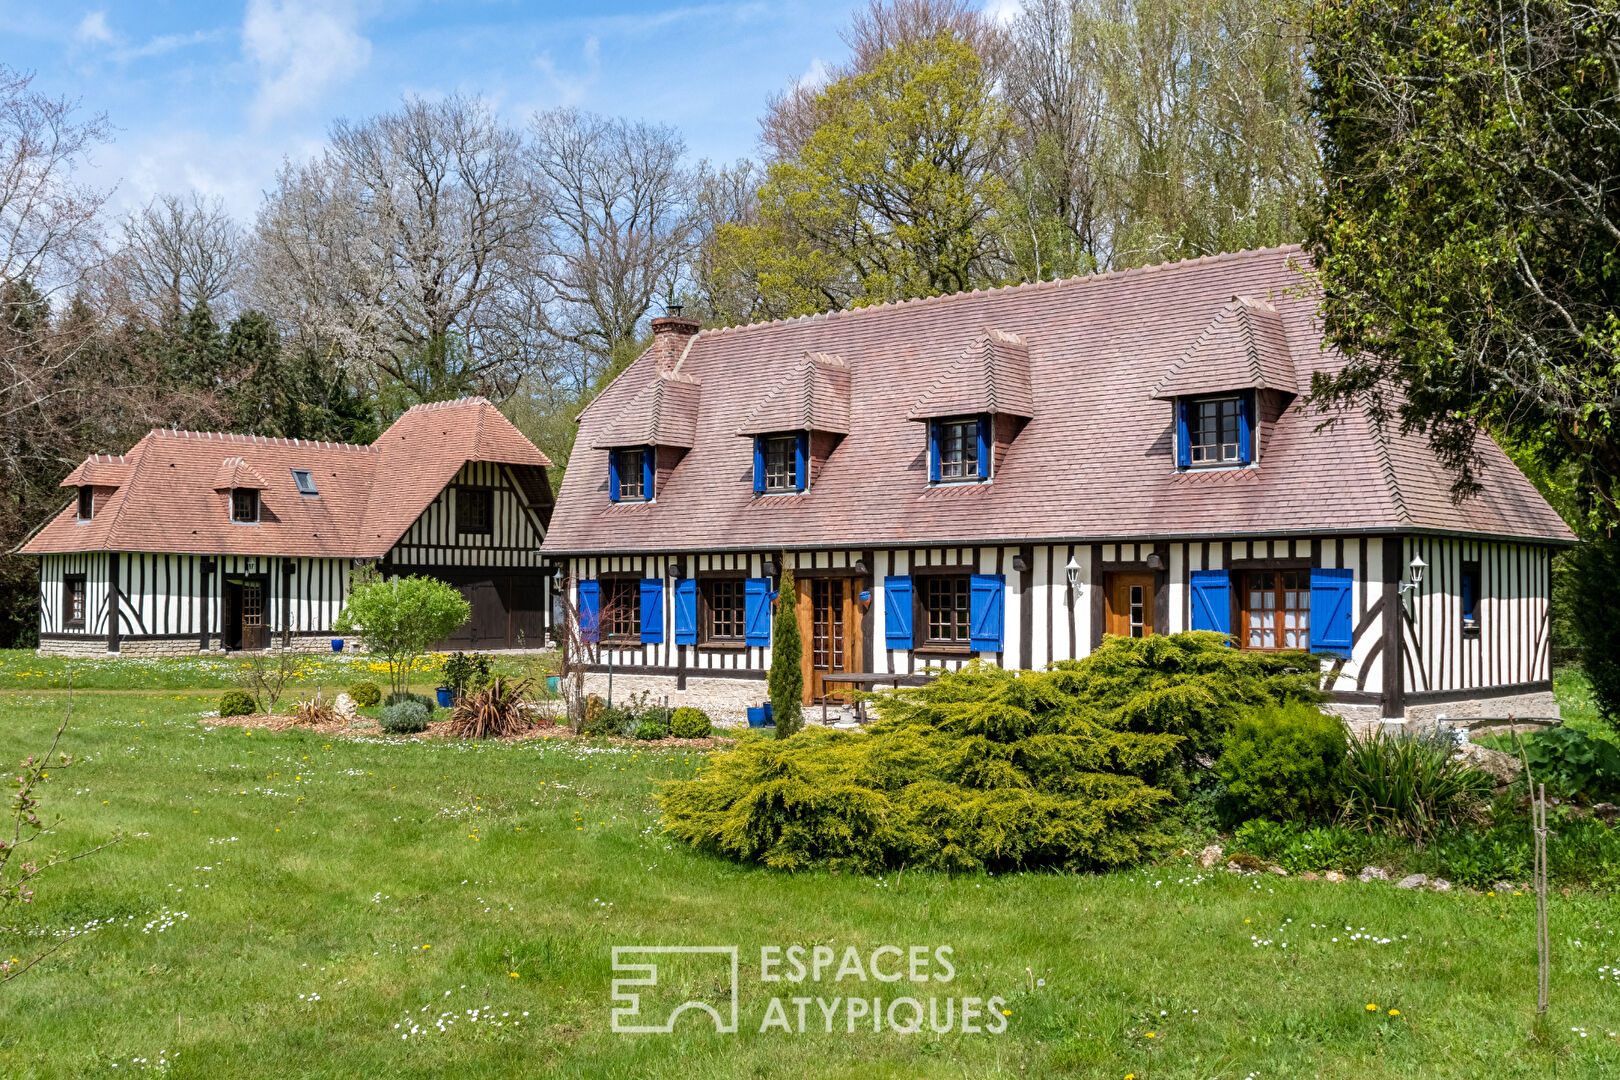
(467, 671)
(690, 723)
(1410, 785)
(651, 730)
(1574, 763)
(422, 699)
(1072, 767)
(405, 717)
(365, 694)
(237, 703)
(1281, 762)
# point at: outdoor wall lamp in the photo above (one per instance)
(1154, 562)
(1073, 568)
(769, 566)
(861, 567)
(676, 570)
(1416, 567)
(1020, 564)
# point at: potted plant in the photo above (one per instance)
(463, 672)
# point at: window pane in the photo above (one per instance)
(725, 602)
(959, 450)
(1212, 430)
(631, 477)
(781, 464)
(946, 599)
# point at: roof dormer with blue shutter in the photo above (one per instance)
(974, 411)
(650, 436)
(798, 423)
(1230, 386)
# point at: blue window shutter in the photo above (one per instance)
(613, 476)
(1245, 426)
(1183, 439)
(759, 464)
(1212, 601)
(1330, 610)
(686, 611)
(652, 611)
(590, 610)
(985, 611)
(649, 465)
(897, 612)
(801, 460)
(984, 448)
(933, 452)
(757, 611)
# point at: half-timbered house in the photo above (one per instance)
(200, 541)
(1011, 474)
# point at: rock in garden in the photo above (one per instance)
(1279, 871)
(1503, 768)
(1440, 884)
(345, 707)
(1372, 873)
(1608, 811)
(1413, 881)
(1503, 886)
(1209, 856)
(1308, 876)
(1335, 877)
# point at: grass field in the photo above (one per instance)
(288, 906)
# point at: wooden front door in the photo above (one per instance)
(830, 624)
(255, 619)
(1129, 597)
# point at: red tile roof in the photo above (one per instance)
(991, 376)
(812, 396)
(1245, 347)
(368, 496)
(237, 473)
(1095, 462)
(663, 414)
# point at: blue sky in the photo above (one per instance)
(212, 96)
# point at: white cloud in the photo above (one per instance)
(1003, 12)
(817, 75)
(300, 50)
(93, 27)
(570, 88)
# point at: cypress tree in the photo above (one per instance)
(787, 652)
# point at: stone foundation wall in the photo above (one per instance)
(150, 647)
(725, 700)
(1364, 719)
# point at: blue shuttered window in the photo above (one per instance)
(1212, 600)
(590, 610)
(986, 600)
(759, 464)
(1332, 596)
(649, 458)
(984, 448)
(801, 460)
(613, 476)
(757, 611)
(897, 612)
(933, 452)
(652, 611)
(686, 611)
(1183, 436)
(1245, 426)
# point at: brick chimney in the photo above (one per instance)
(671, 335)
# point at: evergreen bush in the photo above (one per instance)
(984, 768)
(690, 723)
(786, 683)
(651, 730)
(405, 717)
(237, 703)
(1281, 762)
(365, 694)
(405, 695)
(1595, 596)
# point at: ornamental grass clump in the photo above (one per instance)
(986, 769)
(499, 710)
(1410, 785)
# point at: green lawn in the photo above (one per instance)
(288, 906)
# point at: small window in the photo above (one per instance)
(245, 505)
(945, 601)
(782, 463)
(87, 502)
(305, 482)
(1470, 597)
(1277, 609)
(73, 601)
(958, 449)
(474, 510)
(632, 475)
(723, 609)
(620, 618)
(1212, 431)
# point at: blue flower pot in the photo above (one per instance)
(337, 644)
(447, 697)
(763, 716)
(553, 684)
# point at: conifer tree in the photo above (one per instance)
(787, 653)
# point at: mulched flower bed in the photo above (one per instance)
(441, 730)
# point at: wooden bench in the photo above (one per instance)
(862, 680)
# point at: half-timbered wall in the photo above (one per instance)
(1045, 620)
(53, 571)
(515, 532)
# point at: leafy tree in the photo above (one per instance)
(786, 681)
(1595, 600)
(1467, 233)
(400, 618)
(894, 195)
(299, 393)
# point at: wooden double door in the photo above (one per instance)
(830, 631)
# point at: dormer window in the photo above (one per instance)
(630, 474)
(959, 450)
(245, 505)
(87, 502)
(1213, 430)
(781, 463)
(305, 482)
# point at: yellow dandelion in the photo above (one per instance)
(1148, 1035)
(1372, 1008)
(514, 974)
(1394, 1012)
